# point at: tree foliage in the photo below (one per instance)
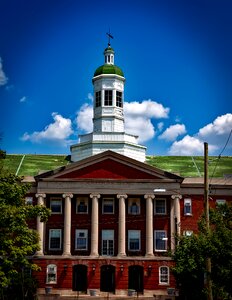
(17, 241)
(191, 252)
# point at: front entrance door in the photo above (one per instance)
(107, 281)
(80, 278)
(135, 281)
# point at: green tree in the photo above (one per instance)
(191, 253)
(17, 241)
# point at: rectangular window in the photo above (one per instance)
(134, 206)
(56, 205)
(81, 239)
(29, 200)
(160, 206)
(187, 207)
(108, 98)
(220, 201)
(118, 99)
(163, 275)
(134, 240)
(160, 240)
(82, 205)
(98, 99)
(108, 242)
(108, 205)
(51, 274)
(55, 239)
(188, 232)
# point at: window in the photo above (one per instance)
(220, 201)
(107, 205)
(134, 206)
(51, 274)
(160, 240)
(160, 206)
(29, 200)
(56, 205)
(98, 99)
(188, 233)
(81, 239)
(108, 242)
(187, 207)
(108, 98)
(164, 275)
(55, 239)
(134, 240)
(82, 205)
(118, 99)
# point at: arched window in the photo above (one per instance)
(51, 274)
(163, 275)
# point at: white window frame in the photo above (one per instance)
(163, 239)
(130, 236)
(78, 232)
(86, 201)
(51, 269)
(60, 236)
(131, 201)
(56, 199)
(161, 276)
(108, 236)
(188, 203)
(29, 200)
(165, 206)
(104, 201)
(220, 201)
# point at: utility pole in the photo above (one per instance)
(206, 203)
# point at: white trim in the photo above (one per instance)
(188, 203)
(164, 240)
(60, 236)
(85, 231)
(107, 199)
(130, 232)
(160, 282)
(61, 205)
(165, 208)
(78, 201)
(50, 271)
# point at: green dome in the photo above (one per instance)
(108, 69)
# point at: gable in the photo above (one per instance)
(108, 169)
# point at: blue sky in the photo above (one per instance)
(176, 57)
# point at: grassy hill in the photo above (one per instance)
(185, 166)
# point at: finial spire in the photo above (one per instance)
(109, 37)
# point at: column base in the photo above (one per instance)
(122, 255)
(38, 253)
(94, 255)
(66, 254)
(149, 255)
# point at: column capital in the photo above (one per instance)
(149, 196)
(40, 195)
(124, 196)
(176, 196)
(95, 196)
(70, 195)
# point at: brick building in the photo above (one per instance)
(113, 217)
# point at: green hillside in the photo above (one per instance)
(185, 166)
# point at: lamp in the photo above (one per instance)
(121, 268)
(149, 268)
(93, 268)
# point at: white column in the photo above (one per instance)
(122, 225)
(94, 225)
(149, 224)
(40, 225)
(67, 224)
(175, 218)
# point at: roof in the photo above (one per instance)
(108, 69)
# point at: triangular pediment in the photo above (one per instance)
(107, 165)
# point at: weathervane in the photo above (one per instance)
(109, 37)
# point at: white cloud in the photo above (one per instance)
(160, 126)
(172, 132)
(215, 134)
(3, 78)
(23, 99)
(58, 131)
(90, 97)
(84, 118)
(139, 126)
(147, 109)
